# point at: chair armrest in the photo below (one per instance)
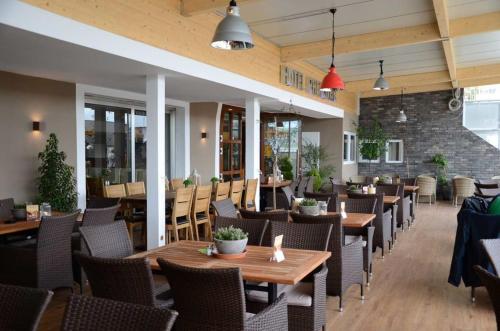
(273, 317)
(319, 287)
(370, 231)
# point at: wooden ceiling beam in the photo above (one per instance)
(408, 90)
(194, 7)
(479, 81)
(474, 24)
(479, 72)
(397, 82)
(441, 11)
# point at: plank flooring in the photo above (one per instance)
(409, 289)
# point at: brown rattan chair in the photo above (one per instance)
(213, 299)
(45, 264)
(109, 240)
(126, 280)
(236, 192)
(99, 216)
(225, 208)
(305, 185)
(492, 284)
(250, 194)
(256, 228)
(404, 204)
(332, 199)
(96, 314)
(345, 266)
(6, 206)
(307, 299)
(339, 188)
(181, 214)
(284, 197)
(277, 215)
(176, 183)
(200, 213)
(101, 202)
(21, 308)
(492, 249)
(462, 187)
(222, 191)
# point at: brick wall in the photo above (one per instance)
(431, 128)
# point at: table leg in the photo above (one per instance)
(272, 293)
(413, 206)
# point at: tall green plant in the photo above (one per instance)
(441, 163)
(286, 167)
(316, 158)
(57, 183)
(372, 141)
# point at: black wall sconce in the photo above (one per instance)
(204, 135)
(36, 126)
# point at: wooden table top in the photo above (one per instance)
(255, 266)
(278, 185)
(411, 188)
(356, 220)
(169, 195)
(388, 199)
(20, 226)
(489, 192)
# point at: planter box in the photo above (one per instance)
(230, 246)
(309, 210)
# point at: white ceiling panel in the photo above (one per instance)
(478, 49)
(464, 8)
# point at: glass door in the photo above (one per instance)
(231, 143)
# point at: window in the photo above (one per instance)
(361, 159)
(349, 147)
(394, 151)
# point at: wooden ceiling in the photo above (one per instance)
(425, 44)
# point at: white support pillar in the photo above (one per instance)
(155, 155)
(182, 143)
(252, 141)
(80, 172)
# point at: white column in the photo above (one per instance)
(155, 156)
(182, 143)
(252, 141)
(81, 186)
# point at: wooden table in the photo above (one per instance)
(20, 226)
(411, 188)
(255, 266)
(278, 184)
(356, 220)
(140, 200)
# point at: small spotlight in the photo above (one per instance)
(36, 126)
(203, 135)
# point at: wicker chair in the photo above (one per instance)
(284, 197)
(492, 249)
(96, 314)
(404, 204)
(99, 216)
(339, 188)
(181, 214)
(332, 199)
(256, 228)
(236, 192)
(6, 206)
(200, 212)
(47, 263)
(391, 190)
(462, 187)
(222, 191)
(409, 181)
(250, 194)
(272, 216)
(225, 208)
(176, 183)
(305, 185)
(21, 308)
(427, 187)
(108, 241)
(213, 299)
(345, 266)
(492, 284)
(126, 280)
(101, 202)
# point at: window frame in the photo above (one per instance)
(401, 150)
(351, 159)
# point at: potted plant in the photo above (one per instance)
(316, 161)
(230, 240)
(286, 167)
(187, 182)
(355, 189)
(385, 180)
(372, 142)
(309, 207)
(214, 181)
(443, 187)
(57, 183)
(19, 212)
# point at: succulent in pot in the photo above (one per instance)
(309, 207)
(230, 240)
(354, 189)
(19, 212)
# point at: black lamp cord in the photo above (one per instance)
(232, 3)
(333, 35)
(381, 67)
(401, 107)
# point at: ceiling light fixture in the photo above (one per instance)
(381, 84)
(232, 33)
(402, 116)
(332, 82)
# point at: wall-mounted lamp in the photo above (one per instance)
(204, 135)
(36, 126)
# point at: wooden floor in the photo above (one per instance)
(409, 289)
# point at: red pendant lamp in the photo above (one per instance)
(332, 81)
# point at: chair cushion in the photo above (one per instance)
(296, 295)
(494, 207)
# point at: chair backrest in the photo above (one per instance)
(492, 249)
(302, 187)
(236, 192)
(222, 191)
(53, 249)
(201, 199)
(254, 227)
(388, 189)
(126, 280)
(176, 183)
(101, 202)
(463, 186)
(303, 235)
(339, 188)
(358, 179)
(225, 208)
(135, 188)
(332, 199)
(275, 215)
(99, 216)
(336, 236)
(21, 307)
(426, 185)
(182, 202)
(115, 191)
(250, 193)
(409, 181)
(219, 306)
(108, 240)
(288, 194)
(492, 284)
(84, 313)
(364, 203)
(6, 206)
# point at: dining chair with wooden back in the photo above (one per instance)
(200, 214)
(115, 191)
(427, 187)
(181, 214)
(250, 194)
(135, 188)
(462, 187)
(222, 190)
(236, 192)
(176, 183)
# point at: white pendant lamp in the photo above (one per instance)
(232, 33)
(402, 116)
(381, 84)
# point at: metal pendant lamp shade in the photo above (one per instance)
(332, 81)
(381, 84)
(232, 33)
(401, 116)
